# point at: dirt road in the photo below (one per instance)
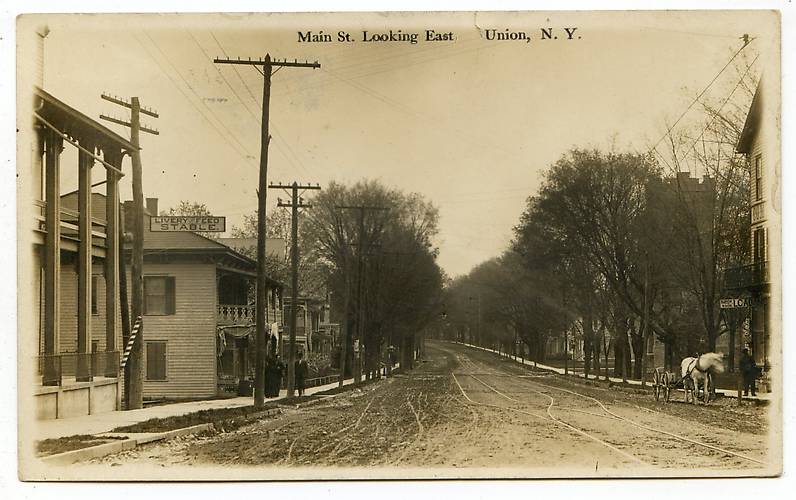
(468, 412)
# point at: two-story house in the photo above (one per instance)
(759, 142)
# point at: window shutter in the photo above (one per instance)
(143, 305)
(156, 361)
(150, 360)
(162, 361)
(170, 295)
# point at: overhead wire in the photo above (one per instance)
(704, 90)
(297, 164)
(241, 150)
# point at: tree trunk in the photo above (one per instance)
(596, 357)
(712, 336)
(588, 342)
(638, 353)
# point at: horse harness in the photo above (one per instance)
(693, 366)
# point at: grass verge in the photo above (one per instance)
(48, 447)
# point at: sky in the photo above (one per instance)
(471, 124)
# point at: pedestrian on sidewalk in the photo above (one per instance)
(749, 371)
(274, 369)
(301, 371)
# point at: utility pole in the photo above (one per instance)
(262, 294)
(344, 326)
(134, 368)
(361, 209)
(645, 331)
(294, 205)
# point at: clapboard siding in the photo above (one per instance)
(189, 333)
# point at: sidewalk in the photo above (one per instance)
(728, 393)
(105, 422)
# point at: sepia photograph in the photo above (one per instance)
(398, 245)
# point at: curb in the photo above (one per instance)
(101, 450)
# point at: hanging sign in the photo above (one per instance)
(734, 303)
(178, 223)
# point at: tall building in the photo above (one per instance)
(759, 142)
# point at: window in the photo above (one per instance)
(94, 281)
(758, 177)
(158, 295)
(759, 250)
(155, 360)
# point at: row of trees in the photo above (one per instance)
(617, 248)
(377, 264)
(380, 262)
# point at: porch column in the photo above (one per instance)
(84, 366)
(52, 258)
(112, 262)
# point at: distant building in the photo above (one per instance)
(314, 331)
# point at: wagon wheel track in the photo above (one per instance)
(649, 428)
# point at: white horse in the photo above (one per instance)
(700, 370)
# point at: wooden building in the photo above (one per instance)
(199, 314)
(84, 378)
(759, 142)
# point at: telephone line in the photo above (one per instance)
(241, 151)
(298, 164)
(747, 41)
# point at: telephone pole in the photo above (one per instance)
(262, 295)
(134, 368)
(360, 298)
(294, 205)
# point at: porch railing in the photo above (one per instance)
(235, 314)
(83, 367)
(748, 276)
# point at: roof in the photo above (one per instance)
(77, 125)
(275, 247)
(752, 123)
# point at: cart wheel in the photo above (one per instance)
(656, 390)
(668, 393)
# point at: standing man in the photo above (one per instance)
(300, 369)
(749, 372)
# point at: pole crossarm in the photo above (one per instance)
(142, 128)
(134, 367)
(290, 205)
(273, 62)
(122, 102)
(360, 207)
(291, 186)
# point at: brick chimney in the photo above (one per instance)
(152, 206)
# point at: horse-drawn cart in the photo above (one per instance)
(664, 382)
(697, 374)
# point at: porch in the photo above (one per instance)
(80, 228)
(74, 384)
